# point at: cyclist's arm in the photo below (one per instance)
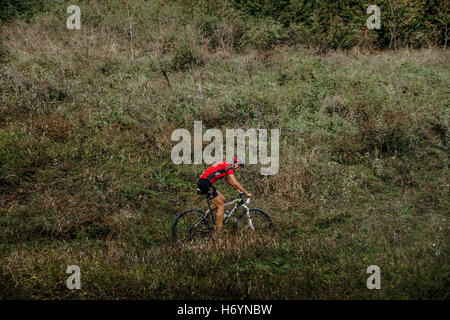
(232, 181)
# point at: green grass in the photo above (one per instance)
(86, 176)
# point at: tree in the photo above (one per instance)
(443, 19)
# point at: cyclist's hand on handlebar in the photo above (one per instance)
(248, 195)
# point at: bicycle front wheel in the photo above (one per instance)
(259, 222)
(191, 224)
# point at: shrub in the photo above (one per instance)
(186, 58)
(10, 9)
(209, 28)
(222, 34)
(389, 134)
(265, 35)
(336, 24)
(341, 35)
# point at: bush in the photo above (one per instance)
(224, 31)
(341, 35)
(265, 35)
(10, 9)
(389, 134)
(338, 24)
(278, 9)
(209, 28)
(186, 58)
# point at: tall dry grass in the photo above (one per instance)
(86, 176)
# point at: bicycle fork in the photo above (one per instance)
(247, 214)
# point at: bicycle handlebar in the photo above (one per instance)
(241, 195)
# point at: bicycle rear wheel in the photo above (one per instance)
(191, 224)
(261, 222)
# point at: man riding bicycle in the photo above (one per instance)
(218, 171)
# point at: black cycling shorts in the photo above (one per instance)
(205, 187)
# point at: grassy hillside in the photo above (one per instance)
(86, 176)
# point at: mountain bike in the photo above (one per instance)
(193, 223)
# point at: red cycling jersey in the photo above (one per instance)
(217, 171)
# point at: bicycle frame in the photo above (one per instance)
(239, 202)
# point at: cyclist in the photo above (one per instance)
(220, 170)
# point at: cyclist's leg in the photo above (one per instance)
(221, 195)
(219, 202)
(204, 187)
(213, 206)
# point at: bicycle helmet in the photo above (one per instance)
(238, 160)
